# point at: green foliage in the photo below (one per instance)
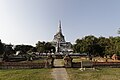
(88, 44)
(44, 47)
(98, 46)
(8, 49)
(23, 48)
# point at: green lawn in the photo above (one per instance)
(79, 60)
(39, 61)
(100, 74)
(26, 74)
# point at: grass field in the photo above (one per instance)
(39, 61)
(26, 74)
(100, 74)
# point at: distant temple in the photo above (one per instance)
(59, 41)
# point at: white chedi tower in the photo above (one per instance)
(59, 41)
(58, 37)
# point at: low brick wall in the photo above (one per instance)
(58, 57)
(96, 64)
(76, 64)
(20, 65)
(106, 64)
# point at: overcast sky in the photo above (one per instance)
(30, 21)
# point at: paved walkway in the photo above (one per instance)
(59, 73)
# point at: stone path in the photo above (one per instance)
(59, 73)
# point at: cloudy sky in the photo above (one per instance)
(29, 21)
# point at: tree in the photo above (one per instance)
(90, 43)
(9, 49)
(23, 48)
(97, 46)
(119, 31)
(87, 44)
(45, 47)
(1, 48)
(115, 45)
(40, 46)
(32, 50)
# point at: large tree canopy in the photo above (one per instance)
(23, 48)
(98, 46)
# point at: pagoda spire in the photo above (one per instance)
(59, 27)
